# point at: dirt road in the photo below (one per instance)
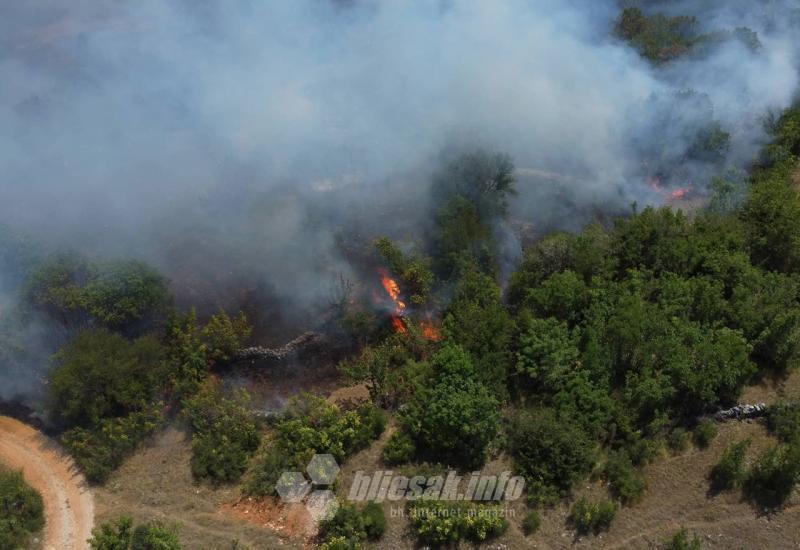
(68, 503)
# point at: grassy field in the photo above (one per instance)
(157, 483)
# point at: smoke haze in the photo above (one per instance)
(230, 142)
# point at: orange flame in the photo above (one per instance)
(393, 290)
(430, 331)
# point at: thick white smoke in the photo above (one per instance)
(228, 141)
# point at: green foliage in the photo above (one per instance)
(704, 433)
(100, 375)
(477, 321)
(531, 522)
(101, 449)
(729, 472)
(592, 517)
(192, 349)
(626, 482)
(484, 179)
(413, 271)
(783, 421)
(120, 534)
(678, 439)
(399, 449)
(548, 354)
(681, 541)
(374, 520)
(772, 477)
(658, 37)
(21, 510)
(552, 453)
(455, 417)
(223, 336)
(310, 425)
(349, 526)
(114, 294)
(772, 216)
(441, 523)
(389, 371)
(225, 433)
(462, 239)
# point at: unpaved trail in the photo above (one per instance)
(68, 502)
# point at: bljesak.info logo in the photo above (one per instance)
(316, 490)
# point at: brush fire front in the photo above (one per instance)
(400, 317)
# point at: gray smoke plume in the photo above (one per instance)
(232, 142)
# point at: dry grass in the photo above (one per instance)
(156, 483)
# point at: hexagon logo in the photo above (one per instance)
(320, 503)
(323, 469)
(292, 486)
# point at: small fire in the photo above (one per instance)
(429, 330)
(393, 290)
(676, 194)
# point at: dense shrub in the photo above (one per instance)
(681, 541)
(783, 421)
(551, 452)
(440, 523)
(531, 523)
(225, 433)
(310, 425)
(455, 418)
(101, 375)
(120, 534)
(729, 472)
(115, 294)
(374, 520)
(678, 439)
(704, 433)
(101, 449)
(592, 517)
(626, 482)
(399, 449)
(773, 475)
(350, 526)
(21, 510)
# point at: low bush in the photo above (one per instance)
(681, 541)
(349, 526)
(440, 523)
(120, 534)
(552, 454)
(399, 449)
(704, 434)
(310, 425)
(783, 421)
(225, 433)
(678, 440)
(21, 510)
(374, 520)
(592, 517)
(531, 523)
(627, 483)
(772, 477)
(100, 450)
(729, 472)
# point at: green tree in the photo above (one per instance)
(225, 433)
(21, 510)
(120, 534)
(101, 375)
(454, 419)
(547, 355)
(477, 321)
(551, 452)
